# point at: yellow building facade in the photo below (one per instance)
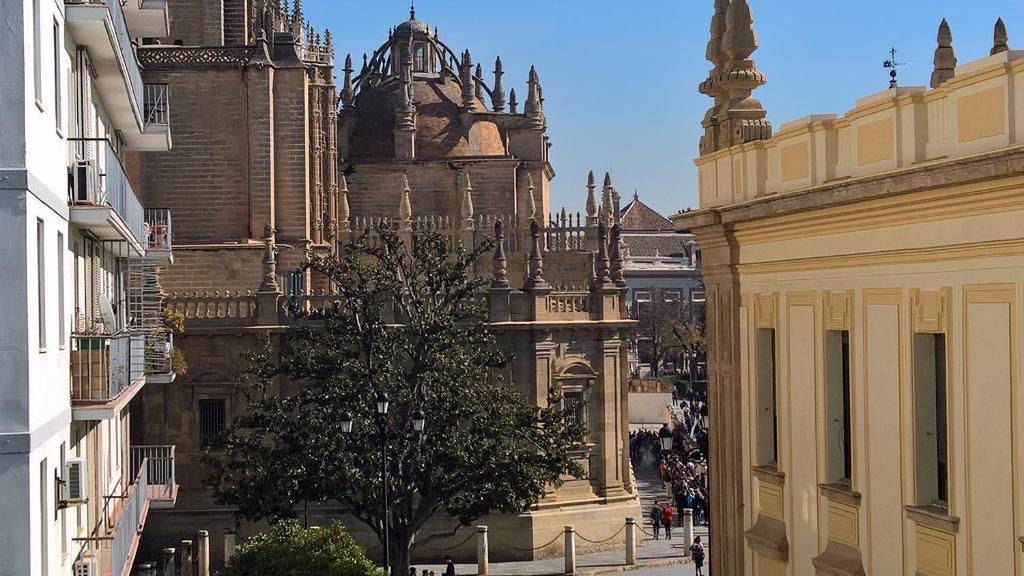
(864, 276)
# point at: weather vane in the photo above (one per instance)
(892, 65)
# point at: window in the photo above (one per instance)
(41, 280)
(930, 420)
(58, 111)
(698, 296)
(573, 402)
(37, 52)
(419, 60)
(839, 452)
(767, 442)
(62, 327)
(211, 423)
(672, 296)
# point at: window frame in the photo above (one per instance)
(841, 391)
(41, 281)
(762, 402)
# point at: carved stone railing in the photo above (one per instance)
(214, 306)
(175, 56)
(570, 305)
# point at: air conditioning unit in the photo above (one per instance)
(75, 481)
(85, 182)
(84, 567)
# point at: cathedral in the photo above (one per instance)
(274, 156)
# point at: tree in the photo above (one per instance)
(666, 327)
(288, 549)
(410, 323)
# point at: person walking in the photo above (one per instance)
(656, 518)
(697, 553)
(450, 570)
(666, 520)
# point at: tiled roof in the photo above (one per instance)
(665, 244)
(639, 216)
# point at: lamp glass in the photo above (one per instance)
(666, 443)
(346, 422)
(382, 403)
(419, 420)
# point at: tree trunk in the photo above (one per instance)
(401, 545)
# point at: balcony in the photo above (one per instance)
(158, 236)
(102, 198)
(118, 559)
(99, 26)
(106, 373)
(156, 120)
(162, 486)
(147, 18)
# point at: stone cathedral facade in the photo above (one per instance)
(272, 158)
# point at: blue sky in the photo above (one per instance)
(620, 77)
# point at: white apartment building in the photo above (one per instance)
(80, 304)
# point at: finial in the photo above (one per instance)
(347, 91)
(616, 266)
(536, 264)
(478, 82)
(602, 254)
(498, 96)
(893, 66)
(466, 77)
(591, 201)
(531, 203)
(636, 197)
(513, 105)
(500, 268)
(404, 206)
(607, 206)
(1000, 40)
(467, 201)
(412, 10)
(945, 56)
(533, 107)
(269, 283)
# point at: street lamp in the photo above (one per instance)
(665, 436)
(419, 421)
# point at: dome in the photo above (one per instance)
(440, 132)
(412, 25)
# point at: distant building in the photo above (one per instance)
(864, 277)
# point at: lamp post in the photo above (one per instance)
(665, 437)
(419, 420)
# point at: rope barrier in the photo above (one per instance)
(447, 548)
(517, 549)
(585, 539)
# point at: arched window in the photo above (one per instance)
(419, 62)
(575, 384)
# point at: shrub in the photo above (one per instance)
(288, 549)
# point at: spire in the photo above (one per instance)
(466, 74)
(297, 19)
(412, 11)
(498, 97)
(404, 206)
(536, 263)
(945, 56)
(616, 266)
(1000, 40)
(591, 200)
(499, 269)
(602, 254)
(607, 207)
(531, 202)
(513, 105)
(467, 202)
(347, 91)
(710, 86)
(741, 117)
(478, 82)
(533, 107)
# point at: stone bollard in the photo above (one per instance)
(482, 551)
(630, 542)
(687, 531)
(168, 568)
(186, 558)
(229, 545)
(203, 552)
(570, 549)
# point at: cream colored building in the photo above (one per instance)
(864, 275)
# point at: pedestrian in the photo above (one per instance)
(450, 570)
(656, 518)
(666, 520)
(412, 571)
(425, 572)
(697, 552)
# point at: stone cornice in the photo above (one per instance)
(1000, 164)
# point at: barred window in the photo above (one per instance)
(574, 408)
(212, 419)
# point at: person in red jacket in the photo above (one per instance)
(666, 520)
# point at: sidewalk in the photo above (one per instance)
(649, 553)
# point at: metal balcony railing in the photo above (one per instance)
(104, 366)
(156, 105)
(158, 227)
(124, 40)
(129, 524)
(159, 464)
(99, 179)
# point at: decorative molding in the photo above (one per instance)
(838, 309)
(936, 552)
(181, 56)
(766, 310)
(840, 493)
(767, 537)
(930, 310)
(932, 517)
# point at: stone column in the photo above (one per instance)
(203, 551)
(630, 542)
(606, 428)
(259, 80)
(167, 567)
(687, 531)
(229, 545)
(570, 549)
(482, 551)
(186, 558)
